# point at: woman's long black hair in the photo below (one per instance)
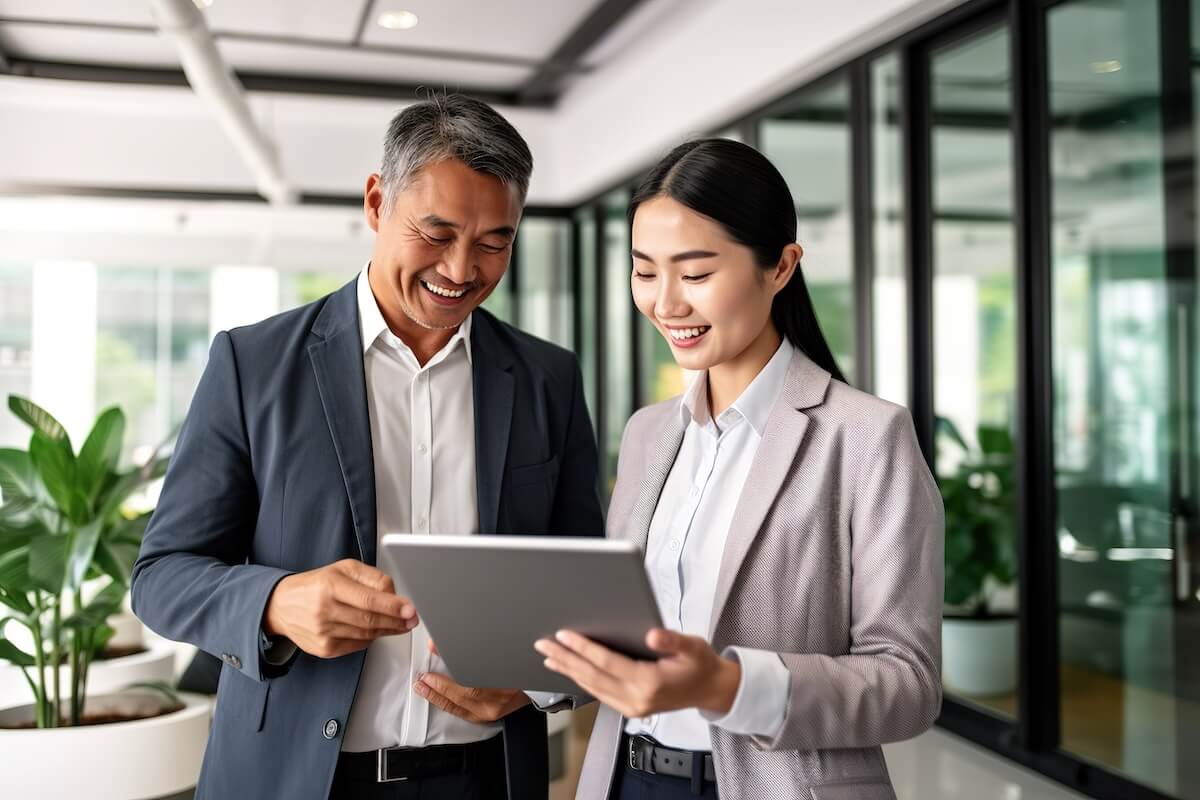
(737, 187)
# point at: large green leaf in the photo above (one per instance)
(48, 562)
(39, 419)
(112, 560)
(94, 614)
(56, 466)
(14, 571)
(13, 654)
(18, 478)
(80, 551)
(99, 454)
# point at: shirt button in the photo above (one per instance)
(422, 449)
(674, 544)
(331, 729)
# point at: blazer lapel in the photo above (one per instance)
(654, 477)
(337, 361)
(804, 387)
(492, 388)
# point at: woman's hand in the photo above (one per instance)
(690, 673)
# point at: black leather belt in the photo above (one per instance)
(410, 763)
(646, 755)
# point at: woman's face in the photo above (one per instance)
(703, 291)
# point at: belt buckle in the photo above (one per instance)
(381, 767)
(633, 754)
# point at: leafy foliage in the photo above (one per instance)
(61, 524)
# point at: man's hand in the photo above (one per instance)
(338, 609)
(473, 705)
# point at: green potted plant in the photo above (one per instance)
(67, 546)
(979, 495)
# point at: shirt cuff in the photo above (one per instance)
(276, 651)
(761, 702)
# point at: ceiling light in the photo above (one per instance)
(202, 4)
(398, 20)
(1103, 67)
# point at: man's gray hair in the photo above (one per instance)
(454, 126)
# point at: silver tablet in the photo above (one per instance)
(486, 599)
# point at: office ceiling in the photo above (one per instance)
(518, 52)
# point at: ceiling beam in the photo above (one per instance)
(541, 87)
(4, 65)
(251, 81)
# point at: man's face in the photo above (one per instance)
(443, 246)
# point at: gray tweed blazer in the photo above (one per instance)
(834, 560)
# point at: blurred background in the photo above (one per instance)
(997, 204)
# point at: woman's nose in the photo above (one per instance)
(670, 302)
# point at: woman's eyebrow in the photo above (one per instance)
(688, 255)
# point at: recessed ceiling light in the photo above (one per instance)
(1102, 67)
(398, 20)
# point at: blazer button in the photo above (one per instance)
(331, 729)
(235, 662)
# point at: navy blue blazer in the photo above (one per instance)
(273, 474)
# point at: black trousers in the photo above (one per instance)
(630, 784)
(486, 780)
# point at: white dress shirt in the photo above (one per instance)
(685, 545)
(423, 440)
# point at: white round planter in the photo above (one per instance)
(979, 656)
(110, 675)
(146, 758)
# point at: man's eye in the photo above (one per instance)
(493, 248)
(434, 239)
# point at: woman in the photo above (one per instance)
(792, 531)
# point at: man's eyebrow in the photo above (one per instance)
(688, 255)
(440, 222)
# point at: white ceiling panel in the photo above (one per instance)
(318, 19)
(110, 12)
(287, 59)
(527, 29)
(87, 45)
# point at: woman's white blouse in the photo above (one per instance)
(687, 540)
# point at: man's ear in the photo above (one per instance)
(373, 201)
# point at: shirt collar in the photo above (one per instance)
(755, 402)
(372, 324)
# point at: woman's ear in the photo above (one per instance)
(789, 262)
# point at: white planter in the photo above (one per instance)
(979, 656)
(156, 664)
(116, 761)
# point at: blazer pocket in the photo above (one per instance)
(241, 701)
(546, 472)
(854, 790)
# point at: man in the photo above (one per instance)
(392, 405)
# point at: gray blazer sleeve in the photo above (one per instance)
(191, 582)
(888, 687)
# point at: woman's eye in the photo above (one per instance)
(643, 276)
(696, 278)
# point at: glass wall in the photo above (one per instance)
(544, 302)
(808, 140)
(889, 287)
(1116, 403)
(974, 367)
(585, 293)
(16, 346)
(617, 331)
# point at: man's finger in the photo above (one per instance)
(445, 703)
(355, 594)
(365, 574)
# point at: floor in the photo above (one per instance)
(934, 766)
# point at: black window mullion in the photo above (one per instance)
(1038, 717)
(598, 214)
(916, 133)
(862, 223)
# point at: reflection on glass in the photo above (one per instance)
(661, 377)
(810, 144)
(16, 348)
(890, 286)
(544, 253)
(617, 330)
(1113, 412)
(974, 330)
